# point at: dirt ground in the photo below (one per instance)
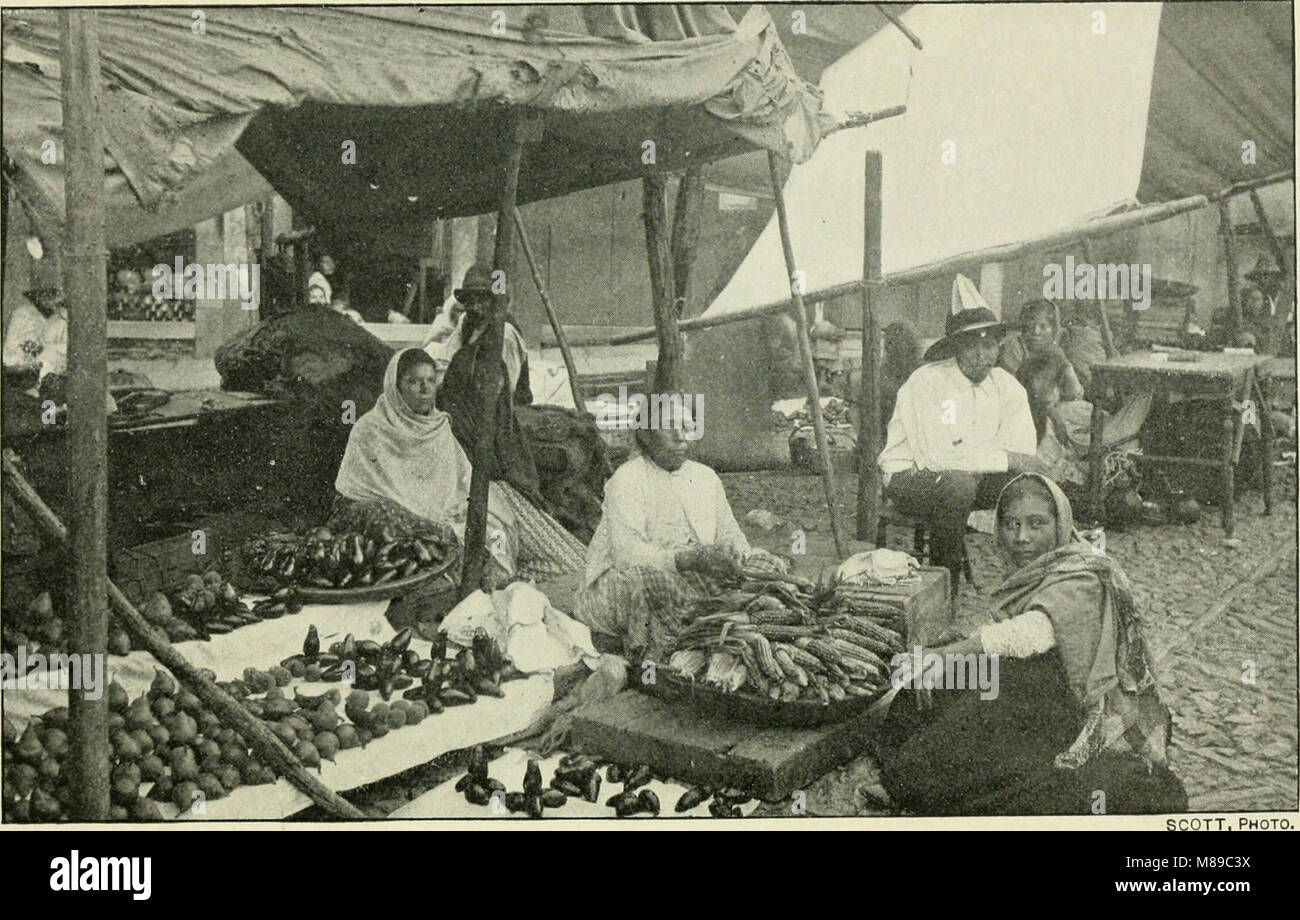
(1222, 623)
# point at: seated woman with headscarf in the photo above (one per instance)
(666, 537)
(1074, 724)
(403, 452)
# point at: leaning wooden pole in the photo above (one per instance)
(805, 350)
(1230, 259)
(551, 315)
(1107, 337)
(489, 374)
(85, 287)
(663, 296)
(686, 234)
(270, 749)
(869, 420)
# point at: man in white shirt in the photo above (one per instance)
(961, 427)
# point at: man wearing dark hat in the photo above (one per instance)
(459, 399)
(961, 426)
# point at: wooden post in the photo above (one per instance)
(686, 234)
(551, 315)
(1230, 257)
(805, 351)
(489, 374)
(869, 420)
(654, 198)
(1107, 339)
(85, 287)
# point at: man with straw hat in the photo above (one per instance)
(961, 426)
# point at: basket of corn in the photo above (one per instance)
(772, 651)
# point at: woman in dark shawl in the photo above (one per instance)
(1076, 725)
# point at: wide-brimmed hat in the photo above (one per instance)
(477, 280)
(1265, 266)
(977, 322)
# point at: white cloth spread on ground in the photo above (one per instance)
(1030, 633)
(534, 635)
(649, 514)
(879, 567)
(416, 462)
(942, 421)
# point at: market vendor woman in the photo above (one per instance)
(403, 451)
(1076, 714)
(666, 537)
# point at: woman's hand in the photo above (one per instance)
(707, 560)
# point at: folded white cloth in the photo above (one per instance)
(879, 567)
(532, 633)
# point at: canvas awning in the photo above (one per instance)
(422, 92)
(1050, 124)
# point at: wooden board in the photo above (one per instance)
(686, 742)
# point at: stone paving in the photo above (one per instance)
(1222, 618)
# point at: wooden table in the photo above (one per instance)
(1228, 378)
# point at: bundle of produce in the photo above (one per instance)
(40, 627)
(385, 521)
(209, 604)
(769, 640)
(324, 558)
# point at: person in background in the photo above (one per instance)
(458, 396)
(1076, 707)
(1041, 365)
(320, 291)
(960, 427)
(25, 335)
(340, 304)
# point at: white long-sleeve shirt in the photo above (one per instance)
(649, 514)
(942, 421)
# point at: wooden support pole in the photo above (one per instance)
(869, 420)
(1230, 257)
(686, 234)
(654, 198)
(270, 749)
(489, 374)
(805, 351)
(1107, 338)
(85, 287)
(551, 315)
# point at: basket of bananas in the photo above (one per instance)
(772, 653)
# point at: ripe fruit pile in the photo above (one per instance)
(40, 628)
(325, 558)
(207, 606)
(772, 638)
(395, 666)
(578, 777)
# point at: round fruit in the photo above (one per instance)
(183, 795)
(163, 707)
(307, 753)
(296, 668)
(282, 676)
(327, 745)
(396, 718)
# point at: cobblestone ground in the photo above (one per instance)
(1221, 618)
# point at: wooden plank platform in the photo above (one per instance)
(687, 742)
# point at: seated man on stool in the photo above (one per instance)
(961, 428)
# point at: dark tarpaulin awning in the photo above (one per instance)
(422, 91)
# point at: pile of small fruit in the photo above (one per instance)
(39, 627)
(394, 666)
(578, 777)
(166, 737)
(325, 558)
(775, 638)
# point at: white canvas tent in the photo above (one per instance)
(1014, 94)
